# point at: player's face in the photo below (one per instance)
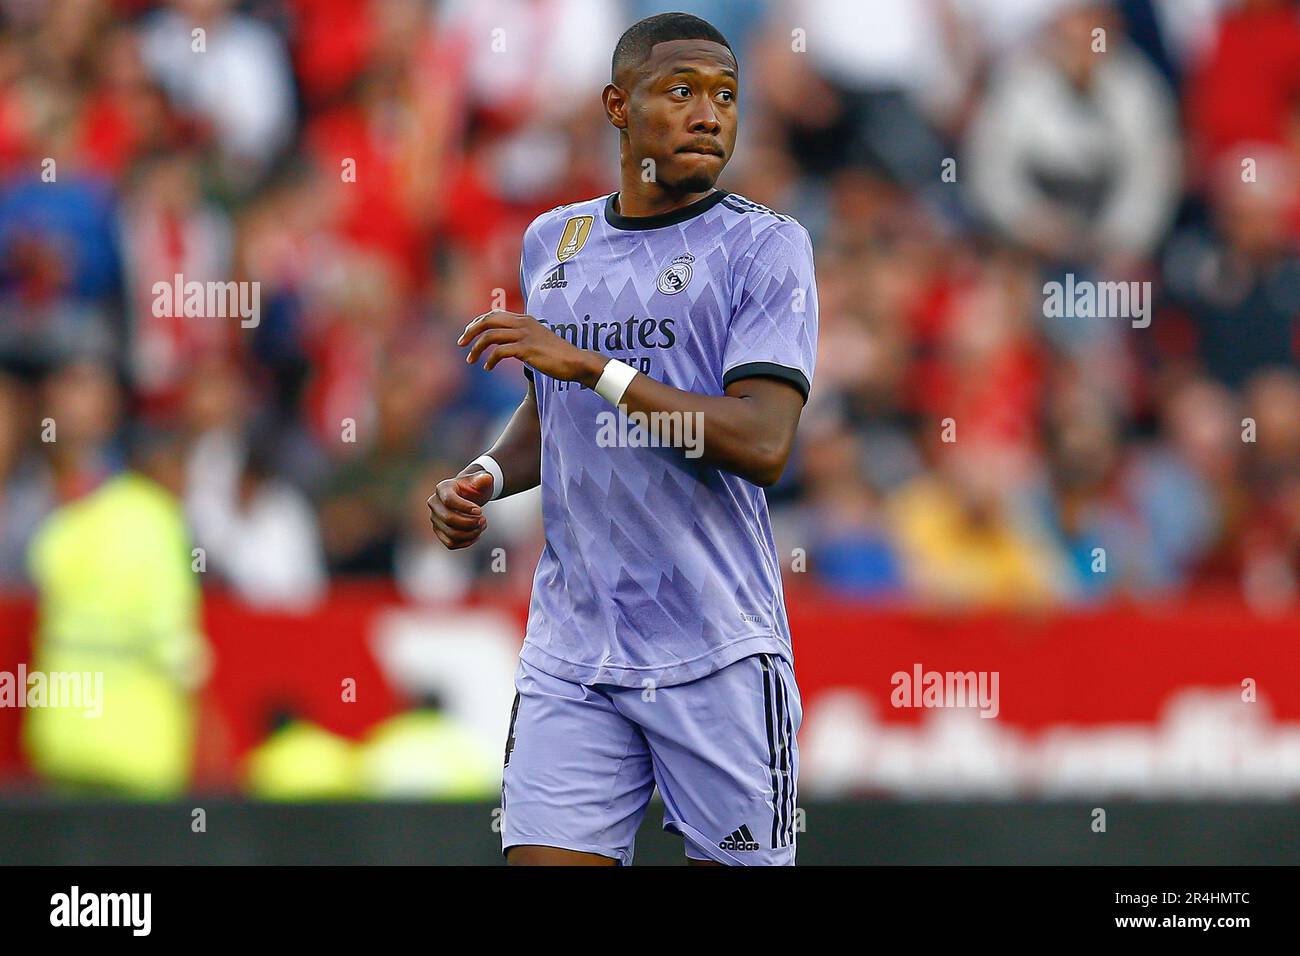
(684, 113)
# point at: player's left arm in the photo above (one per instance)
(749, 431)
(768, 361)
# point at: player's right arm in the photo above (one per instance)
(456, 505)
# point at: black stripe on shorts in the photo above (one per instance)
(771, 744)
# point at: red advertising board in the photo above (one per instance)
(1114, 695)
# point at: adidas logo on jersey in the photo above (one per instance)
(554, 279)
(740, 839)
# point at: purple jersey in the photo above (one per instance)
(657, 567)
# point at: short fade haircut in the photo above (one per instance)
(635, 44)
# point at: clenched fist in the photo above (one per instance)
(456, 509)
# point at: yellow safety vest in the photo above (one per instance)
(118, 597)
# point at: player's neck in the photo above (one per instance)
(649, 199)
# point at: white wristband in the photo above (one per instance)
(614, 380)
(492, 468)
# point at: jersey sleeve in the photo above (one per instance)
(523, 285)
(773, 328)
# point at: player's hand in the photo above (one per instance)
(512, 335)
(456, 509)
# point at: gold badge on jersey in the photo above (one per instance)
(574, 237)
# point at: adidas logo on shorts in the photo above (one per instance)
(740, 839)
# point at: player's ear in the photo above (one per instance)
(616, 104)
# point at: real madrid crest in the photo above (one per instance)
(676, 276)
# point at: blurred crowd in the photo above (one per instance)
(372, 165)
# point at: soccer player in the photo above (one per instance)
(657, 649)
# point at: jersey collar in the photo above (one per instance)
(670, 218)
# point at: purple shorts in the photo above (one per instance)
(583, 760)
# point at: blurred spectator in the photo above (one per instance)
(170, 230)
(60, 271)
(1239, 278)
(118, 599)
(258, 531)
(259, 534)
(866, 85)
(1074, 151)
(1271, 540)
(384, 145)
(848, 538)
(517, 102)
(1273, 404)
(365, 506)
(1097, 526)
(1188, 490)
(233, 78)
(81, 408)
(962, 541)
(1246, 86)
(127, 116)
(984, 367)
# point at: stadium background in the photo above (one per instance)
(330, 684)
